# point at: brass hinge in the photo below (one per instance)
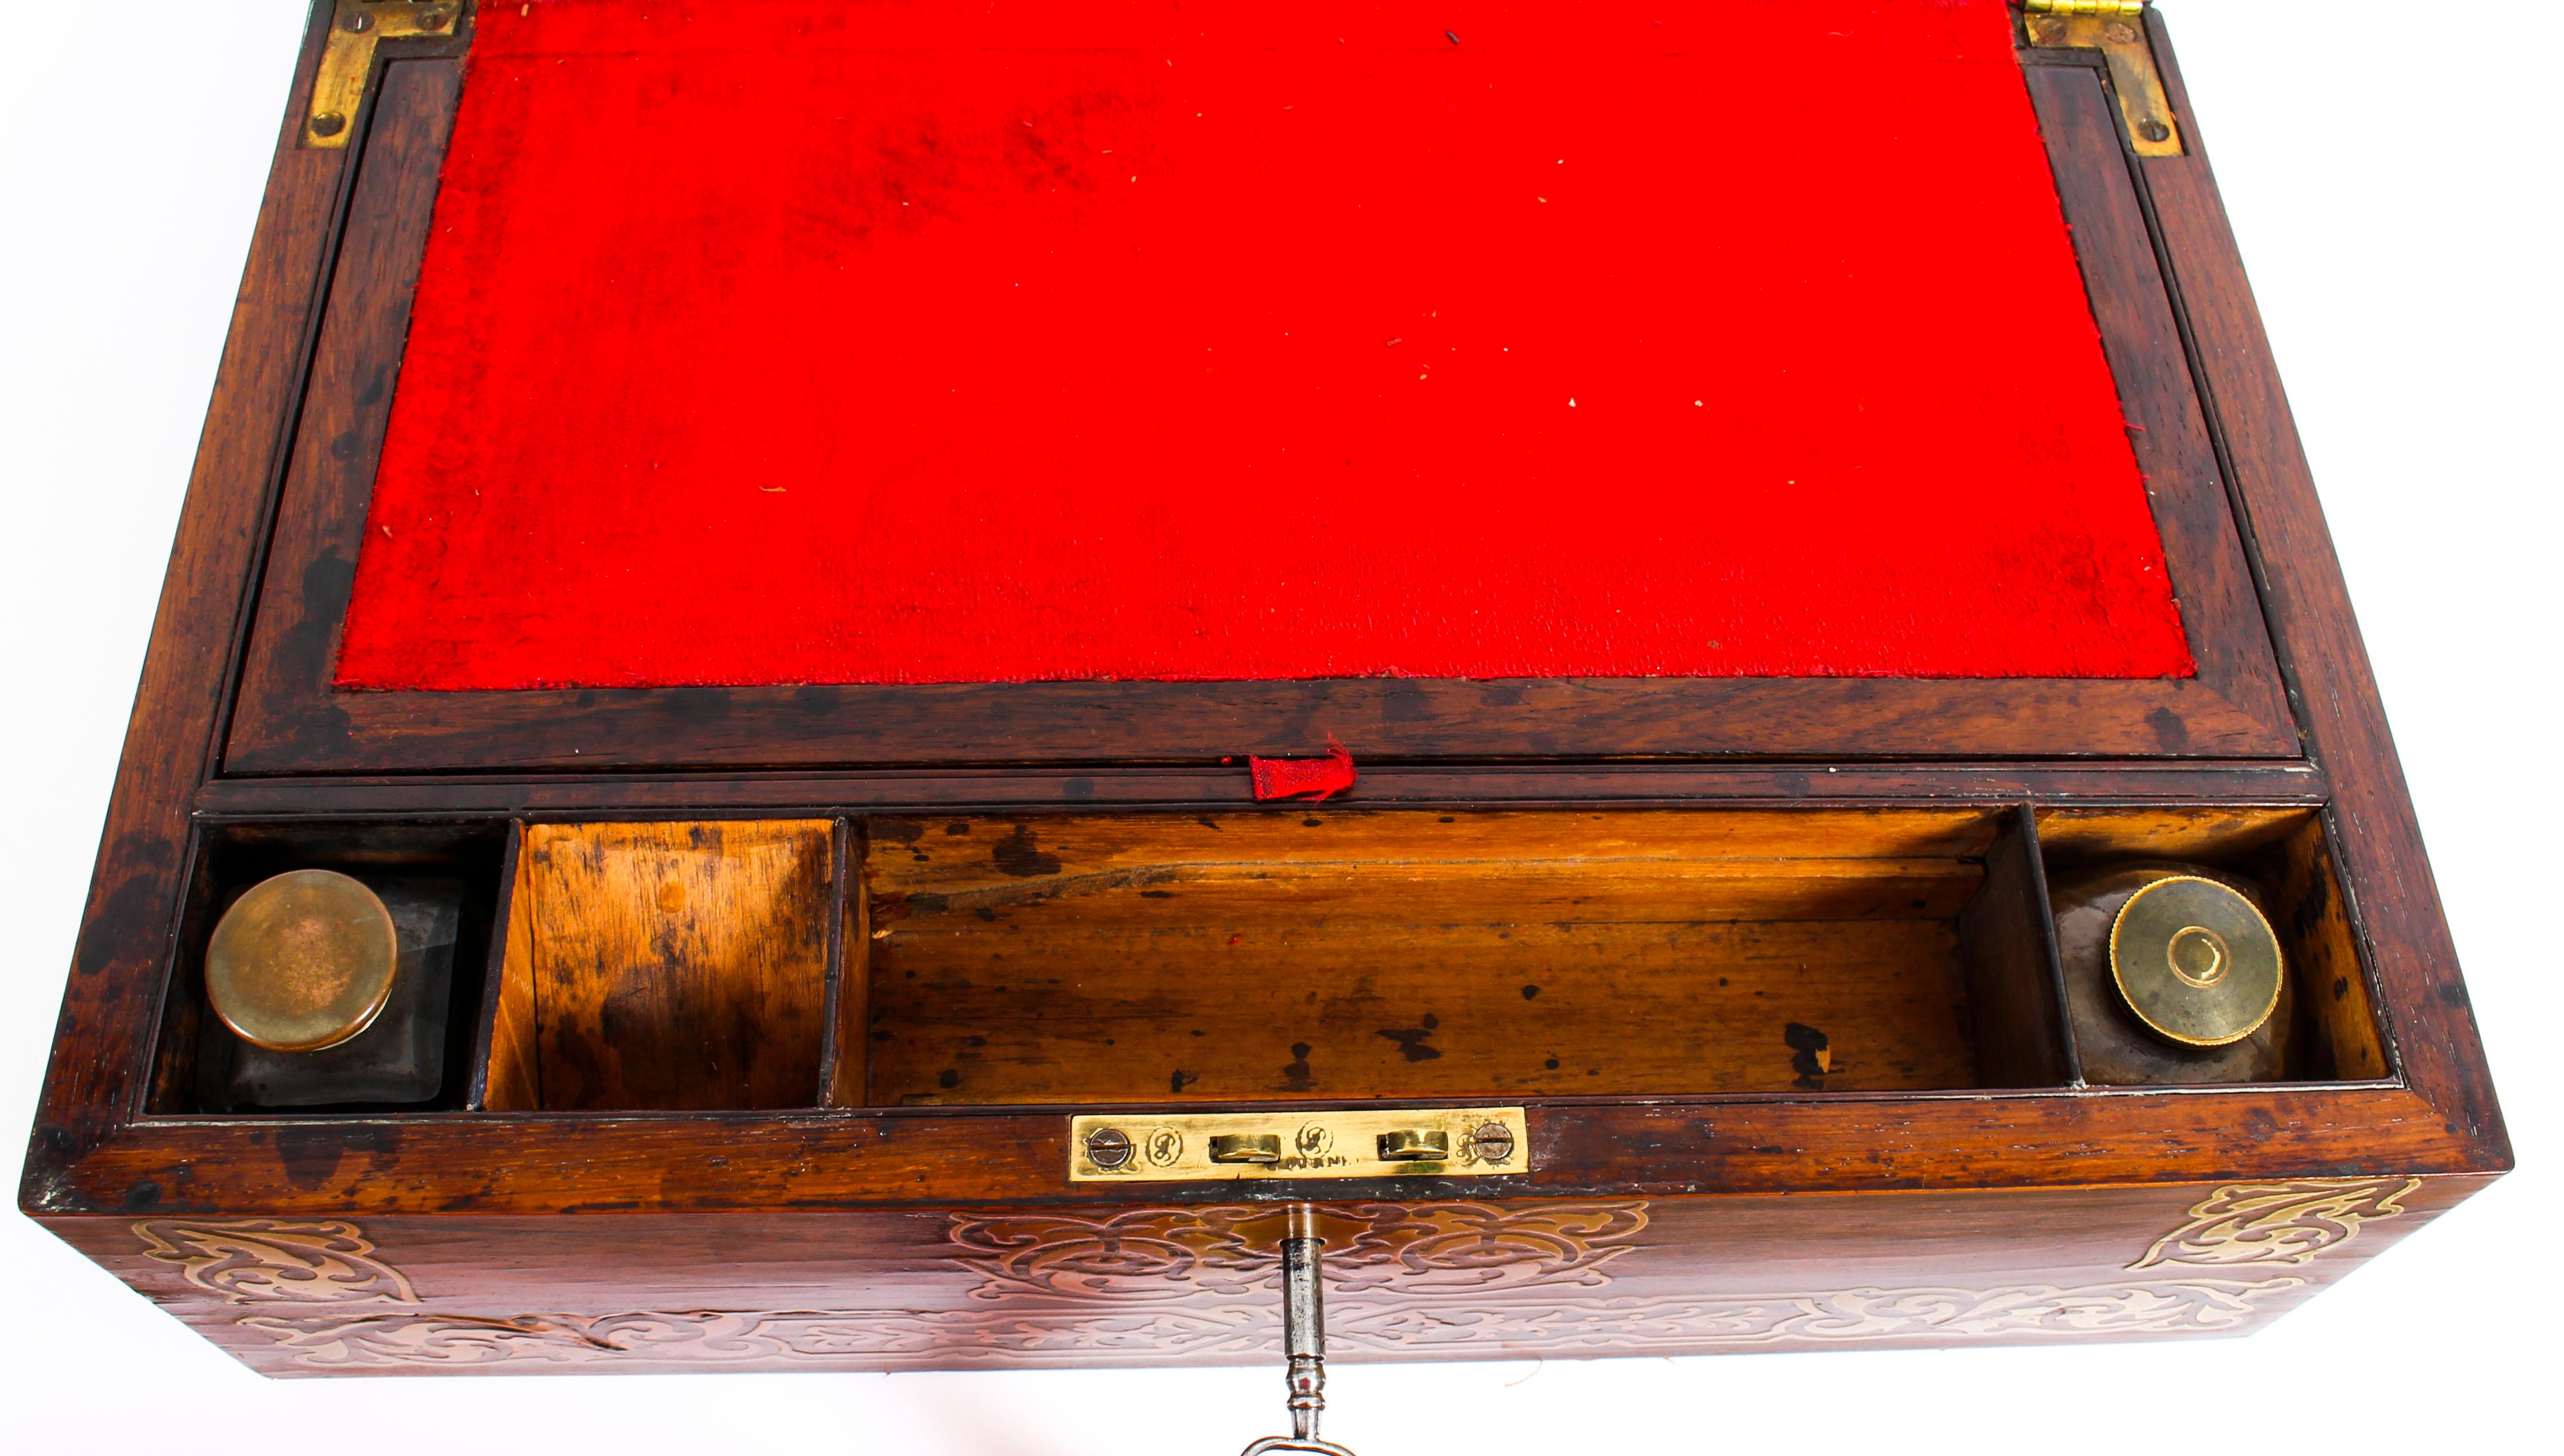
(2116, 29)
(1374, 1143)
(347, 58)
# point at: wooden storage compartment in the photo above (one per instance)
(665, 965)
(1333, 954)
(449, 873)
(2283, 855)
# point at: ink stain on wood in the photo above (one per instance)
(309, 1156)
(1410, 1040)
(1296, 1075)
(1811, 1055)
(1018, 855)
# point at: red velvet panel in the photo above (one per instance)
(916, 340)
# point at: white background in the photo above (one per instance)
(2391, 170)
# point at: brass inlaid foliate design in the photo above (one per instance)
(1181, 1252)
(2277, 1222)
(1065, 1336)
(866, 1339)
(269, 1261)
(1174, 1333)
(1660, 1327)
(1454, 1280)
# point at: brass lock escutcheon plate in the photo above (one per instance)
(1291, 1142)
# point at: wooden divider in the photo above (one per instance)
(2015, 986)
(844, 1064)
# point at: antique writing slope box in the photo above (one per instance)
(691, 803)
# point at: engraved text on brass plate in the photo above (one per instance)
(1364, 1142)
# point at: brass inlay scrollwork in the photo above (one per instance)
(253, 1261)
(1069, 1334)
(2277, 1222)
(1063, 1289)
(1178, 1253)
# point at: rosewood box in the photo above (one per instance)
(1006, 646)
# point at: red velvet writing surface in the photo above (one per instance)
(823, 341)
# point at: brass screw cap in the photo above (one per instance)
(1108, 1147)
(2196, 961)
(303, 961)
(1492, 1143)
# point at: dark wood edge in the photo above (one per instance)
(176, 1032)
(485, 1033)
(2061, 1024)
(832, 1049)
(800, 795)
(836, 1158)
(97, 1072)
(2012, 1050)
(2116, 242)
(284, 730)
(290, 720)
(2384, 870)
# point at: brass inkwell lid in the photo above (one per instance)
(303, 961)
(2196, 961)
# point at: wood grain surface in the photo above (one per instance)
(1332, 956)
(675, 964)
(2344, 1038)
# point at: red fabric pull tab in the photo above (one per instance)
(1287, 778)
